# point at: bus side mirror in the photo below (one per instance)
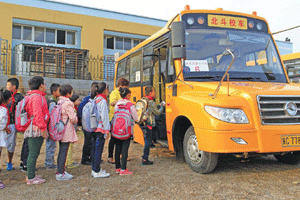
(178, 40)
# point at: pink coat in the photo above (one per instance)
(68, 111)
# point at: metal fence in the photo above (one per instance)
(33, 60)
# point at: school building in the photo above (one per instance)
(59, 40)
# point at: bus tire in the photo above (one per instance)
(291, 158)
(199, 161)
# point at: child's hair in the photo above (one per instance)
(65, 89)
(54, 87)
(98, 89)
(123, 82)
(4, 95)
(124, 92)
(74, 97)
(148, 89)
(94, 83)
(14, 81)
(35, 82)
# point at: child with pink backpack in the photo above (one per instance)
(125, 112)
(68, 118)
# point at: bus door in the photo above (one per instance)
(159, 84)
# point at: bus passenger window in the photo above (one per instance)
(135, 67)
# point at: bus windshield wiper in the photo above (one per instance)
(246, 78)
(203, 77)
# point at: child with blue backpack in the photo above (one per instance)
(69, 118)
(125, 112)
(101, 133)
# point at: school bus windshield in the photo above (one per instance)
(256, 58)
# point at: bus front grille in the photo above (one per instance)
(279, 110)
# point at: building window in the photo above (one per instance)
(110, 42)
(61, 37)
(71, 38)
(39, 35)
(16, 32)
(50, 36)
(43, 35)
(120, 43)
(27, 33)
(127, 44)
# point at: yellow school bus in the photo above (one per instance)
(225, 88)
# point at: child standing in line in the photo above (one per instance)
(150, 123)
(69, 118)
(37, 131)
(70, 164)
(122, 145)
(5, 98)
(50, 144)
(99, 93)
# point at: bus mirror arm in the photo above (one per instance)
(226, 52)
(177, 78)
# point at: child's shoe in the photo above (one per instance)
(118, 170)
(125, 172)
(9, 166)
(147, 162)
(2, 185)
(64, 176)
(100, 174)
(36, 180)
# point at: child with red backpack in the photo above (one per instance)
(37, 121)
(5, 97)
(125, 112)
(69, 118)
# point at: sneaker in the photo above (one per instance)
(64, 176)
(147, 162)
(51, 166)
(21, 165)
(100, 174)
(9, 166)
(118, 170)
(24, 168)
(125, 172)
(36, 180)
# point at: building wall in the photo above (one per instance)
(284, 47)
(91, 23)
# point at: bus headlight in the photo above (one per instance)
(236, 116)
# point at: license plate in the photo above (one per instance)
(290, 140)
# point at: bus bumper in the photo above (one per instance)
(263, 140)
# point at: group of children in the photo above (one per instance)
(39, 111)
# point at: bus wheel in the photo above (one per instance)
(292, 158)
(199, 161)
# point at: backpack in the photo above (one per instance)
(22, 120)
(90, 115)
(56, 126)
(50, 101)
(121, 122)
(81, 105)
(142, 108)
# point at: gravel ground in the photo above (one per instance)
(260, 178)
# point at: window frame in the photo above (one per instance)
(45, 30)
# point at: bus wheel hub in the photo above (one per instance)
(192, 148)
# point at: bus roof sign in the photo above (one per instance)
(227, 22)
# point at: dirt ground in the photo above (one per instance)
(260, 178)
